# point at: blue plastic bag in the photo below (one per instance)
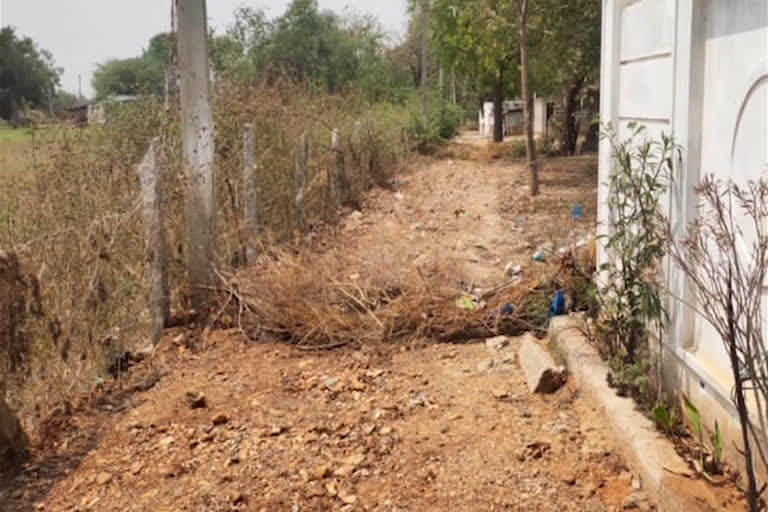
(558, 304)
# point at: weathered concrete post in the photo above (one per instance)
(357, 133)
(425, 62)
(251, 191)
(197, 132)
(150, 176)
(301, 160)
(338, 182)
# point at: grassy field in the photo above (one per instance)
(16, 151)
(20, 148)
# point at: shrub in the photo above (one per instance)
(629, 295)
(444, 124)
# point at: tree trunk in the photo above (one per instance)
(198, 145)
(570, 126)
(453, 86)
(498, 109)
(530, 143)
(425, 63)
(753, 495)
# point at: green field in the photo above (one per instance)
(20, 147)
(15, 151)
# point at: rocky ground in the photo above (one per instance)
(256, 427)
(215, 422)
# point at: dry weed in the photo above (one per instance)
(313, 301)
(74, 218)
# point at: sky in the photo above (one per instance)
(83, 33)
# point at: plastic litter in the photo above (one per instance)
(558, 304)
(578, 212)
(470, 303)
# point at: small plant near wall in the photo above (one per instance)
(631, 305)
(708, 451)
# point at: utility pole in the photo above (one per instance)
(425, 63)
(80, 87)
(197, 134)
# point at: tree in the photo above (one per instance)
(241, 52)
(530, 143)
(570, 53)
(139, 75)
(28, 75)
(481, 35)
(305, 44)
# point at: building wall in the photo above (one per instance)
(697, 69)
(513, 118)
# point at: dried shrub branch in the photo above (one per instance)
(724, 256)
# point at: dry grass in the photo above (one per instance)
(311, 300)
(74, 221)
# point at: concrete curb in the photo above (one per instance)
(647, 451)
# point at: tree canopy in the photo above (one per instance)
(482, 39)
(143, 74)
(329, 51)
(28, 75)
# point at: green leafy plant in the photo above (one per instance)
(444, 124)
(640, 178)
(710, 457)
(666, 418)
(629, 296)
(694, 418)
(632, 379)
(716, 438)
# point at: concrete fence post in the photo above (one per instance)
(337, 178)
(251, 192)
(301, 161)
(150, 176)
(357, 133)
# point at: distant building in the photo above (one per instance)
(77, 113)
(513, 118)
(97, 112)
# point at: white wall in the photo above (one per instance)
(734, 137)
(539, 116)
(697, 69)
(513, 120)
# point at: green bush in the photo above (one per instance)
(444, 124)
(517, 148)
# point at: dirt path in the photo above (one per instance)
(427, 428)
